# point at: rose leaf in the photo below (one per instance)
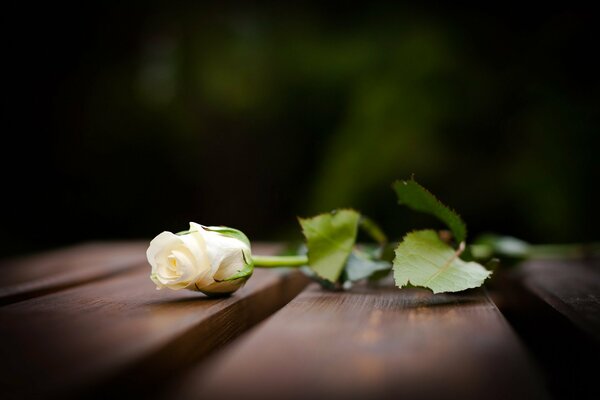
(330, 238)
(416, 197)
(423, 259)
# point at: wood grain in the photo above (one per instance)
(553, 305)
(571, 287)
(120, 334)
(372, 343)
(32, 276)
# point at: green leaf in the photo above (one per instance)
(422, 259)
(359, 266)
(325, 284)
(373, 230)
(504, 246)
(330, 238)
(415, 196)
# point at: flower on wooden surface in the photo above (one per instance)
(214, 260)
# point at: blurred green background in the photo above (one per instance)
(126, 120)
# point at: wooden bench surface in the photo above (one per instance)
(571, 288)
(375, 343)
(87, 322)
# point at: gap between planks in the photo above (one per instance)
(554, 306)
(49, 272)
(120, 332)
(372, 343)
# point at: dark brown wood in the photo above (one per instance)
(32, 276)
(571, 287)
(87, 322)
(553, 305)
(372, 343)
(121, 333)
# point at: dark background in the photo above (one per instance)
(125, 120)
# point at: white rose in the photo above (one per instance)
(212, 260)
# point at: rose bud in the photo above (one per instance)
(213, 260)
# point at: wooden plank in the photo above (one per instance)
(571, 287)
(120, 333)
(372, 343)
(553, 306)
(33, 276)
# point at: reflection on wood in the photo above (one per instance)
(37, 275)
(121, 331)
(571, 287)
(373, 343)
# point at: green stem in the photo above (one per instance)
(564, 250)
(279, 261)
